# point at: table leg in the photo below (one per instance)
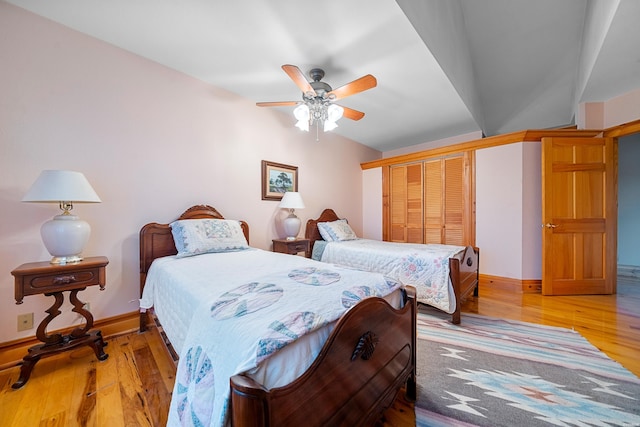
(53, 311)
(98, 344)
(57, 343)
(28, 362)
(78, 307)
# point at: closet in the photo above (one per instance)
(430, 201)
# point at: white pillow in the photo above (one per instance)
(336, 231)
(201, 236)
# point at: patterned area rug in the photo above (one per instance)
(494, 372)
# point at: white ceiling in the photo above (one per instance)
(444, 67)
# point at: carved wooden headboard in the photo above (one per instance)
(156, 239)
(311, 231)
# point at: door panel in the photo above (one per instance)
(454, 201)
(414, 203)
(579, 216)
(406, 203)
(434, 200)
(398, 203)
(444, 194)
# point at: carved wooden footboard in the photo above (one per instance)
(369, 356)
(464, 275)
(464, 267)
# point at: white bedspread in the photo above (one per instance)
(239, 309)
(426, 267)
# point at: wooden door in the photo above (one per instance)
(579, 215)
(406, 203)
(433, 201)
(445, 201)
(454, 201)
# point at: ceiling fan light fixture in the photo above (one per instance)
(334, 112)
(329, 125)
(301, 113)
(303, 125)
(317, 111)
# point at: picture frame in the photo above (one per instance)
(278, 178)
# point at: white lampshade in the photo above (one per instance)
(291, 200)
(65, 235)
(291, 224)
(61, 186)
(301, 113)
(334, 113)
(329, 125)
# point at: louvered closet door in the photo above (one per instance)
(444, 201)
(398, 204)
(454, 201)
(433, 201)
(406, 203)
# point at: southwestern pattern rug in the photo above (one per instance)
(495, 372)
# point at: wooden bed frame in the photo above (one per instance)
(463, 270)
(156, 241)
(367, 359)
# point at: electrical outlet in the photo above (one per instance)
(25, 321)
(87, 306)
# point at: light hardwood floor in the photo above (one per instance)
(133, 386)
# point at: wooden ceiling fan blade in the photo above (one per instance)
(277, 104)
(298, 78)
(359, 85)
(352, 114)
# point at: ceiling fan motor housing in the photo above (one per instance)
(316, 74)
(321, 88)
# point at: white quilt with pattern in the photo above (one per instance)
(426, 267)
(249, 310)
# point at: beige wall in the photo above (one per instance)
(612, 112)
(508, 210)
(152, 142)
(372, 204)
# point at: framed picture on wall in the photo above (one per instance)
(277, 179)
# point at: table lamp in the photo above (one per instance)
(66, 234)
(291, 224)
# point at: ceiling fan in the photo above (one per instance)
(318, 98)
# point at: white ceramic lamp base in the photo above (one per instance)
(291, 225)
(64, 237)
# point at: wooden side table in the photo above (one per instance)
(291, 246)
(52, 280)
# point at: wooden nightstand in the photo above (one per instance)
(291, 246)
(52, 280)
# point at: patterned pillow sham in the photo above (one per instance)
(336, 231)
(201, 236)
